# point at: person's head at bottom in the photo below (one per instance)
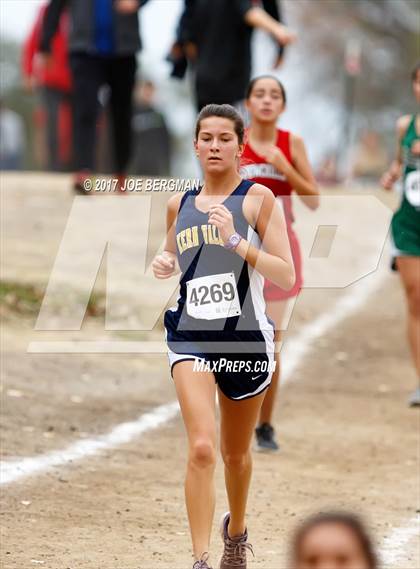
(333, 540)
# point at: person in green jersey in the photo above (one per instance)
(405, 225)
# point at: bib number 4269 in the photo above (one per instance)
(213, 296)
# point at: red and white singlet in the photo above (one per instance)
(254, 167)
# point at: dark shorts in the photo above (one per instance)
(405, 236)
(241, 360)
(239, 376)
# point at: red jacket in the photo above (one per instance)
(57, 75)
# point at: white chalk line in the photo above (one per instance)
(119, 435)
(395, 544)
(295, 350)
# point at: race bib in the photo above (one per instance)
(215, 296)
(412, 188)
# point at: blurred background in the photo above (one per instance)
(347, 79)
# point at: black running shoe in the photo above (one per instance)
(266, 441)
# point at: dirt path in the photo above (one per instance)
(348, 440)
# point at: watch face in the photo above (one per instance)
(233, 241)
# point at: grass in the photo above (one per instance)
(24, 299)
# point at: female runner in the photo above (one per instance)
(277, 159)
(215, 235)
(405, 226)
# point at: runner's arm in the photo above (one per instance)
(275, 261)
(165, 265)
(394, 171)
(171, 215)
(300, 175)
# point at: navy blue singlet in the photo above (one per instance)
(221, 308)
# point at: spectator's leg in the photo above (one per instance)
(51, 101)
(39, 142)
(121, 78)
(65, 134)
(88, 76)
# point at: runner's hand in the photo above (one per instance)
(221, 217)
(391, 175)
(164, 265)
(415, 148)
(277, 158)
(387, 181)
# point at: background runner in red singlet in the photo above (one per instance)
(277, 159)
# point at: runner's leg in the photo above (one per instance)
(409, 269)
(235, 447)
(197, 397)
(275, 310)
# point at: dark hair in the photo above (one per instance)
(225, 112)
(349, 521)
(415, 71)
(251, 86)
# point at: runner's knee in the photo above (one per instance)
(203, 453)
(236, 461)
